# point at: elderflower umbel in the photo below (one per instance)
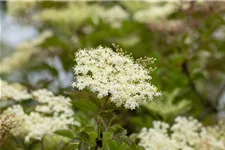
(113, 16)
(218, 130)
(155, 13)
(51, 113)
(156, 138)
(80, 12)
(52, 104)
(12, 92)
(113, 74)
(184, 134)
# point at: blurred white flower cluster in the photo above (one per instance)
(23, 53)
(8, 121)
(155, 13)
(81, 12)
(50, 104)
(184, 134)
(13, 92)
(218, 130)
(51, 113)
(73, 15)
(19, 7)
(113, 16)
(114, 74)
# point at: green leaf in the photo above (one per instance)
(84, 136)
(36, 145)
(108, 135)
(86, 106)
(65, 133)
(75, 140)
(127, 140)
(169, 105)
(83, 145)
(112, 144)
(70, 146)
(120, 132)
(107, 117)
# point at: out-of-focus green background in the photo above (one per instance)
(39, 38)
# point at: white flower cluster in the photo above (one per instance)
(51, 113)
(79, 11)
(113, 74)
(218, 130)
(8, 121)
(23, 53)
(58, 106)
(155, 13)
(167, 106)
(113, 16)
(12, 92)
(184, 134)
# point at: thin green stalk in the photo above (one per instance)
(99, 122)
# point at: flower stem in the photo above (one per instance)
(99, 122)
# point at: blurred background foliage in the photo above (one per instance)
(186, 38)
